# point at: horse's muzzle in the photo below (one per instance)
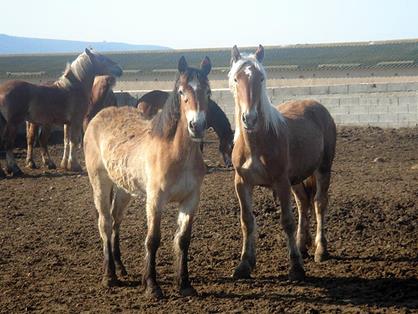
(197, 128)
(249, 120)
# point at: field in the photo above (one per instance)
(302, 56)
(51, 254)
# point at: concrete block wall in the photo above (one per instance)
(384, 105)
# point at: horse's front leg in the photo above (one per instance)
(43, 141)
(9, 143)
(281, 190)
(31, 130)
(248, 227)
(182, 242)
(75, 134)
(64, 161)
(152, 242)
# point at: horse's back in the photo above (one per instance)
(112, 137)
(312, 136)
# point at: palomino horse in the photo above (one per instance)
(101, 97)
(150, 103)
(128, 155)
(65, 102)
(279, 148)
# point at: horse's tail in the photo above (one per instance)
(309, 184)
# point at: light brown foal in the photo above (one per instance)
(128, 155)
(280, 148)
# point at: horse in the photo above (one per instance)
(64, 102)
(286, 148)
(101, 97)
(127, 155)
(150, 103)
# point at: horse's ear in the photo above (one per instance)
(87, 50)
(259, 53)
(182, 65)
(206, 66)
(235, 55)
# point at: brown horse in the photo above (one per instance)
(102, 96)
(128, 155)
(281, 148)
(150, 103)
(65, 102)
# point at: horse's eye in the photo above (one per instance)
(181, 93)
(262, 79)
(235, 79)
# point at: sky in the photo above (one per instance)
(184, 24)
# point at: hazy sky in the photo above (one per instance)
(212, 23)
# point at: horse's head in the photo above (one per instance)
(102, 64)
(193, 91)
(247, 81)
(226, 145)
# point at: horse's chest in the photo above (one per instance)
(254, 170)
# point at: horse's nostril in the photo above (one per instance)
(192, 125)
(244, 118)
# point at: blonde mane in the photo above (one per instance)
(81, 67)
(273, 119)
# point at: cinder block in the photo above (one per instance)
(319, 90)
(379, 109)
(292, 91)
(366, 88)
(407, 103)
(388, 100)
(388, 118)
(330, 102)
(368, 118)
(407, 117)
(349, 101)
(338, 89)
(402, 87)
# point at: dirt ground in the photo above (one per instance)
(51, 254)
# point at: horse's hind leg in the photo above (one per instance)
(31, 130)
(102, 192)
(120, 201)
(182, 242)
(152, 242)
(321, 208)
(43, 140)
(303, 236)
(248, 228)
(9, 143)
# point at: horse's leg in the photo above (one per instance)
(43, 140)
(120, 201)
(303, 236)
(9, 143)
(182, 242)
(64, 161)
(31, 130)
(73, 164)
(321, 208)
(248, 227)
(102, 193)
(282, 191)
(152, 242)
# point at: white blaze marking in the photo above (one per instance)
(248, 71)
(193, 115)
(194, 83)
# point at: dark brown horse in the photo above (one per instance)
(150, 103)
(281, 148)
(65, 102)
(127, 155)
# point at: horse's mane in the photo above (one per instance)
(273, 119)
(78, 69)
(164, 124)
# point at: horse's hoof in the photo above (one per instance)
(2, 174)
(297, 273)
(109, 282)
(30, 164)
(50, 165)
(121, 270)
(74, 168)
(188, 292)
(15, 171)
(154, 293)
(63, 165)
(321, 257)
(304, 254)
(243, 271)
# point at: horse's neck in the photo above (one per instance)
(182, 144)
(83, 72)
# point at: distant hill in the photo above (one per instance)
(26, 45)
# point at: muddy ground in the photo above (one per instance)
(51, 254)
